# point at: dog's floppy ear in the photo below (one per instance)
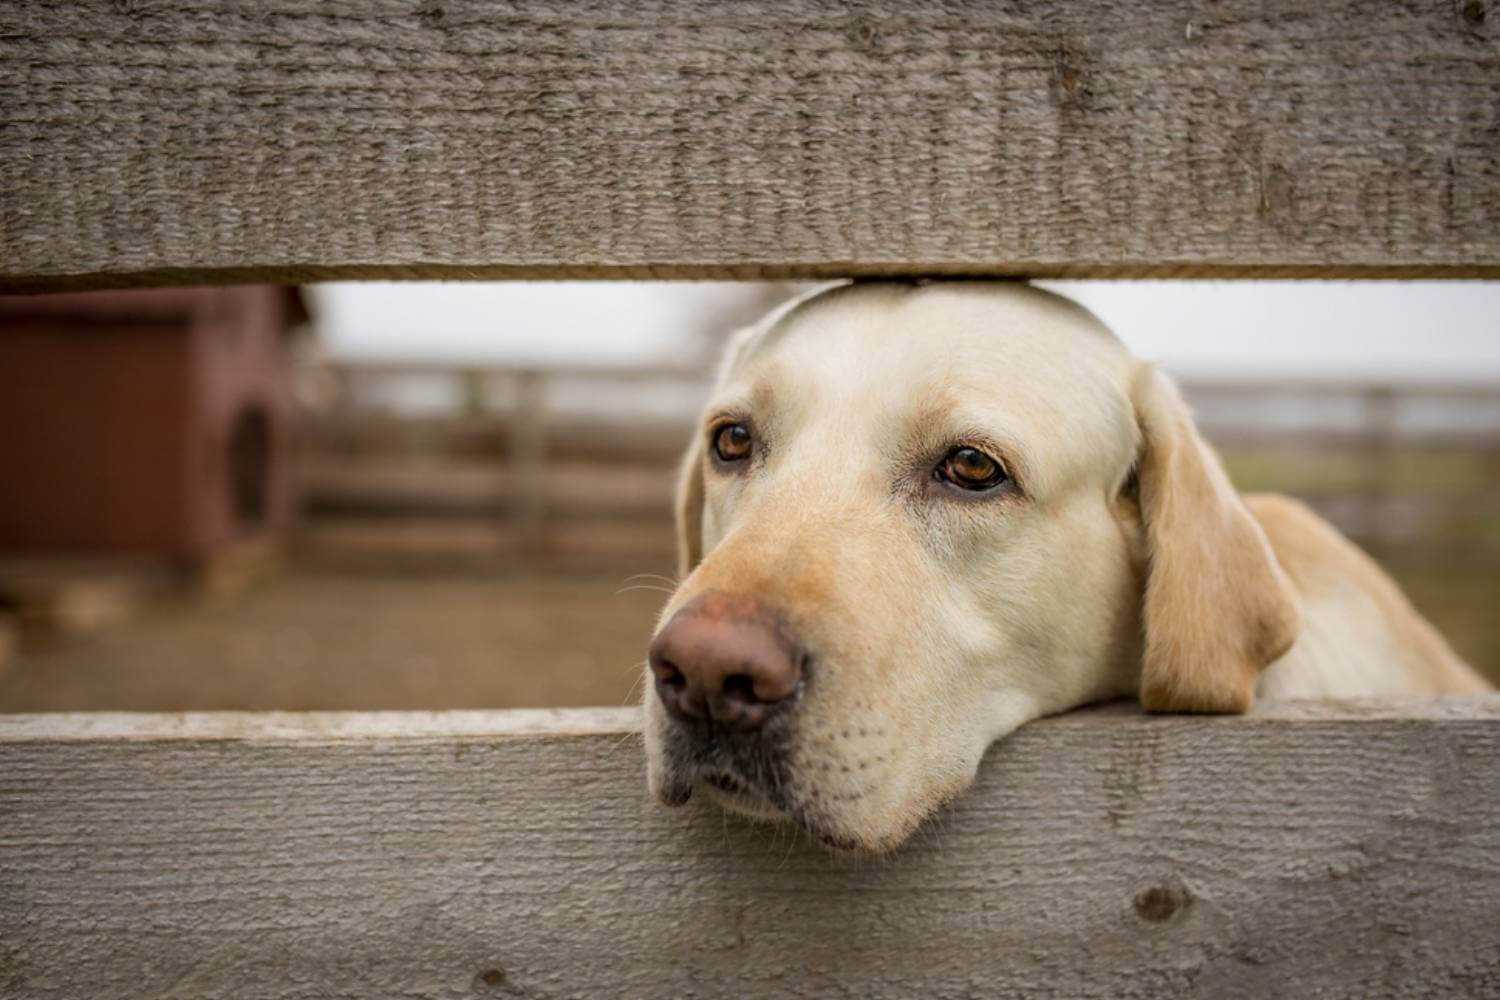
(1218, 607)
(689, 509)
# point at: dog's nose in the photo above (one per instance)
(727, 659)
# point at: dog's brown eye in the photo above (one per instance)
(971, 469)
(732, 443)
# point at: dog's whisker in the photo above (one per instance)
(791, 845)
(644, 586)
(625, 738)
(775, 845)
(669, 581)
(632, 697)
(620, 743)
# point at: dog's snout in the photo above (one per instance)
(725, 659)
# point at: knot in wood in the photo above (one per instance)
(1160, 903)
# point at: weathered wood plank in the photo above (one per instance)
(1329, 850)
(205, 141)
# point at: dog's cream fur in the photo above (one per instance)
(1125, 563)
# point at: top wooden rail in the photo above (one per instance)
(145, 142)
(1316, 849)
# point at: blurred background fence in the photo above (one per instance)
(570, 467)
(551, 469)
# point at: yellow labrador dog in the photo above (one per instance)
(916, 516)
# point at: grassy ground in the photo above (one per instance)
(1462, 601)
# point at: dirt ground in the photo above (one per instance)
(305, 641)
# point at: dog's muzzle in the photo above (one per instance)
(728, 672)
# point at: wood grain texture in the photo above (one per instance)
(169, 142)
(1336, 851)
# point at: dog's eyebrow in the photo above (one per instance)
(741, 404)
(763, 391)
(745, 399)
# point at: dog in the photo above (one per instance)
(918, 515)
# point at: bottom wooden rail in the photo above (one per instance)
(1338, 850)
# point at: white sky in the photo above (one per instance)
(602, 321)
(1403, 330)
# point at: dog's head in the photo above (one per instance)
(913, 518)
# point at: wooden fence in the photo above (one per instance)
(203, 141)
(1334, 850)
(1325, 850)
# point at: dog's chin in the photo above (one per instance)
(738, 796)
(759, 776)
(725, 790)
(731, 794)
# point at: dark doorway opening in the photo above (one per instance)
(250, 467)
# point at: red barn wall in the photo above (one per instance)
(115, 415)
